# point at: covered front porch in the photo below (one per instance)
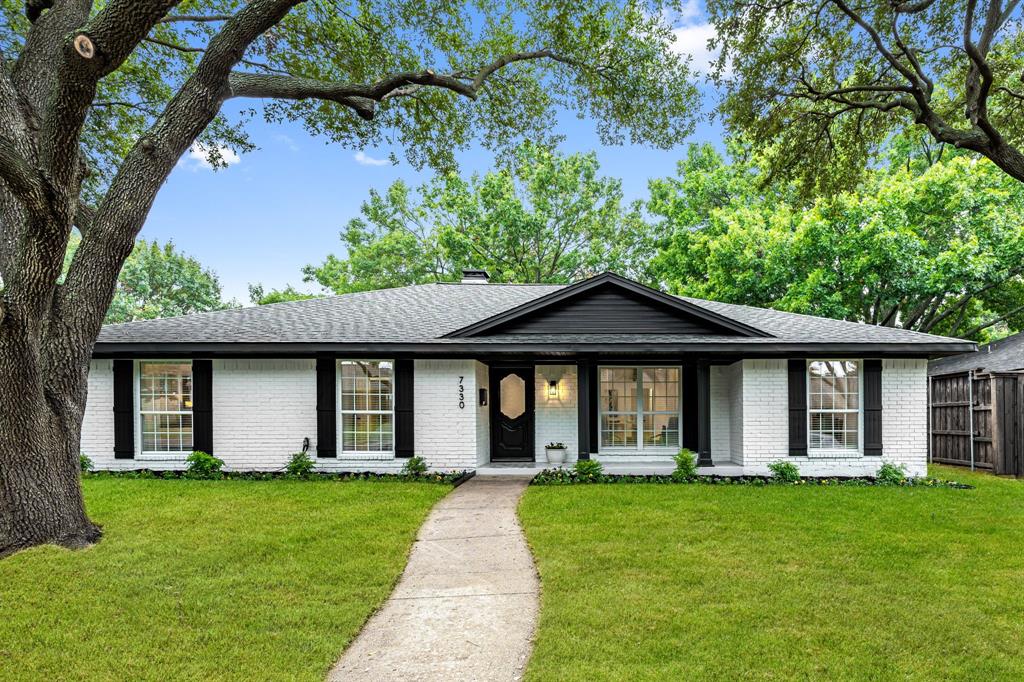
(632, 414)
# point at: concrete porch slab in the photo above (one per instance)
(619, 468)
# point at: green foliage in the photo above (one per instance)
(158, 281)
(260, 297)
(784, 472)
(588, 469)
(614, 67)
(300, 465)
(204, 466)
(891, 474)
(84, 463)
(931, 247)
(414, 466)
(546, 218)
(821, 94)
(686, 465)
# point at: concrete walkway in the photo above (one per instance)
(466, 605)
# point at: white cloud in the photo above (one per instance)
(689, 12)
(693, 40)
(199, 154)
(364, 159)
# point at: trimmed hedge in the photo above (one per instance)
(430, 477)
(570, 477)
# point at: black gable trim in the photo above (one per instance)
(608, 303)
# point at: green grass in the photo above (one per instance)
(209, 580)
(701, 582)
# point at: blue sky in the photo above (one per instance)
(282, 206)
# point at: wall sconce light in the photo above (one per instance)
(483, 397)
(553, 389)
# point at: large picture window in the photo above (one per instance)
(639, 407)
(367, 406)
(833, 405)
(165, 407)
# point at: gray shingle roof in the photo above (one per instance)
(425, 313)
(1003, 355)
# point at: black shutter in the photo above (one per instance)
(595, 422)
(798, 408)
(202, 405)
(873, 408)
(124, 409)
(405, 445)
(326, 407)
(583, 408)
(690, 408)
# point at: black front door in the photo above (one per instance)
(511, 414)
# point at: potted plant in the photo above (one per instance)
(555, 452)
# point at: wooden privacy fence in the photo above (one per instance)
(977, 419)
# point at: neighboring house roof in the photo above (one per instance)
(437, 317)
(1004, 355)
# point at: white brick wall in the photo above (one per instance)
(556, 418)
(721, 415)
(904, 421)
(98, 422)
(765, 416)
(905, 414)
(445, 434)
(483, 415)
(734, 373)
(262, 409)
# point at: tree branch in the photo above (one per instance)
(199, 18)
(362, 98)
(120, 214)
(995, 320)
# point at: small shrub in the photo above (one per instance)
(84, 463)
(414, 466)
(300, 465)
(890, 474)
(204, 466)
(589, 469)
(686, 465)
(784, 472)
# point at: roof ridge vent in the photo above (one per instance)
(475, 277)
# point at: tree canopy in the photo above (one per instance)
(545, 218)
(824, 84)
(934, 247)
(160, 281)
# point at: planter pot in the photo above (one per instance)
(555, 455)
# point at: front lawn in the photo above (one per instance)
(203, 580)
(729, 582)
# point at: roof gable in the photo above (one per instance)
(609, 304)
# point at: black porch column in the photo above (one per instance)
(583, 407)
(703, 413)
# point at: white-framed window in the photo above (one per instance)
(639, 407)
(834, 407)
(164, 389)
(367, 405)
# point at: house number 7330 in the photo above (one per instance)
(462, 394)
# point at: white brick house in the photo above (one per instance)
(471, 374)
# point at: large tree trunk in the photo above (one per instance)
(40, 426)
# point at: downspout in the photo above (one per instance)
(970, 413)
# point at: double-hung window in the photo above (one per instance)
(165, 407)
(367, 406)
(834, 406)
(639, 407)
